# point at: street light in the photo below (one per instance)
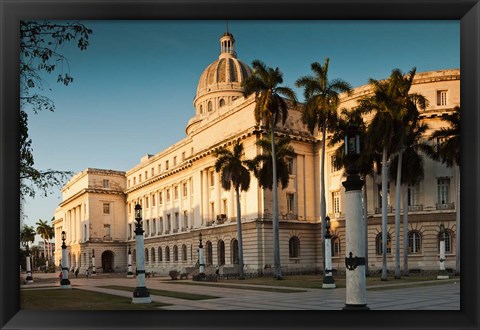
(94, 269)
(201, 260)
(355, 240)
(129, 265)
(328, 282)
(141, 295)
(29, 278)
(442, 274)
(64, 282)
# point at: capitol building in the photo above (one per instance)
(181, 195)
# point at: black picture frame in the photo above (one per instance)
(467, 11)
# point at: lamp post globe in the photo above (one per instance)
(355, 234)
(141, 295)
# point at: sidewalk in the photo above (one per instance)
(445, 295)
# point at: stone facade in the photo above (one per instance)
(181, 195)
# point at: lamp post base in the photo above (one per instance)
(328, 283)
(141, 295)
(65, 284)
(130, 274)
(362, 307)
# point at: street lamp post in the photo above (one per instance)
(129, 266)
(328, 281)
(442, 274)
(201, 259)
(355, 240)
(64, 282)
(141, 295)
(94, 270)
(29, 278)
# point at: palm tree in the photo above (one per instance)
(27, 235)
(448, 152)
(270, 108)
(43, 229)
(383, 130)
(234, 171)
(410, 104)
(262, 167)
(412, 173)
(319, 111)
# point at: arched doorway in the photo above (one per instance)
(107, 261)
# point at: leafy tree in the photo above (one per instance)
(270, 108)
(234, 171)
(320, 111)
(448, 152)
(40, 44)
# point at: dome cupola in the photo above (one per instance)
(220, 83)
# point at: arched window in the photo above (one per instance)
(209, 106)
(222, 102)
(146, 255)
(379, 246)
(175, 253)
(294, 247)
(209, 253)
(221, 253)
(160, 257)
(153, 255)
(184, 252)
(167, 253)
(234, 251)
(414, 242)
(335, 246)
(448, 242)
(201, 109)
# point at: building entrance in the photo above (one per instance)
(107, 261)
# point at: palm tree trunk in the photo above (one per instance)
(276, 239)
(398, 186)
(405, 230)
(323, 206)
(239, 234)
(45, 249)
(384, 276)
(457, 236)
(365, 223)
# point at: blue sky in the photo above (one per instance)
(134, 86)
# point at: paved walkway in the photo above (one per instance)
(445, 296)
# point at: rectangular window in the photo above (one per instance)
(129, 208)
(212, 178)
(290, 203)
(147, 228)
(336, 201)
(333, 164)
(139, 178)
(185, 220)
(185, 189)
(153, 172)
(412, 195)
(442, 97)
(160, 198)
(129, 230)
(106, 184)
(106, 208)
(443, 185)
(134, 181)
(175, 192)
(290, 165)
(154, 197)
(177, 220)
(168, 195)
(154, 224)
(212, 210)
(183, 156)
(175, 161)
(159, 168)
(169, 224)
(146, 175)
(166, 165)
(160, 225)
(225, 207)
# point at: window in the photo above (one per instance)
(169, 223)
(106, 208)
(167, 253)
(154, 224)
(184, 155)
(290, 203)
(201, 109)
(153, 171)
(209, 106)
(212, 210)
(234, 251)
(336, 201)
(209, 253)
(160, 225)
(160, 256)
(225, 207)
(146, 255)
(335, 246)
(166, 165)
(129, 208)
(146, 175)
(175, 161)
(159, 168)
(443, 185)
(168, 195)
(154, 197)
(175, 192)
(139, 178)
(412, 195)
(414, 242)
(185, 189)
(221, 253)
(290, 165)
(448, 242)
(184, 252)
(294, 247)
(146, 202)
(442, 97)
(160, 198)
(106, 184)
(147, 228)
(129, 230)
(333, 164)
(185, 220)
(222, 102)
(379, 246)
(134, 181)
(175, 253)
(153, 254)
(177, 221)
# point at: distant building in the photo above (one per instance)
(181, 195)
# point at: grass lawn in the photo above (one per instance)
(76, 299)
(165, 293)
(315, 281)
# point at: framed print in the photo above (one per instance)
(164, 209)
